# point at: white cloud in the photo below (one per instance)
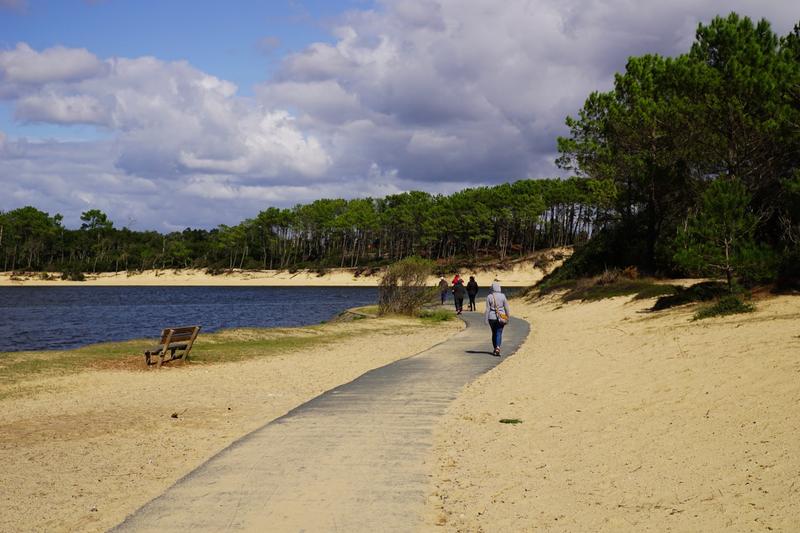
(473, 91)
(62, 109)
(24, 65)
(166, 116)
(431, 94)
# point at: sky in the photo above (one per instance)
(192, 113)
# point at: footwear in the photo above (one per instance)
(497, 352)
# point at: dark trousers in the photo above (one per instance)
(497, 333)
(471, 302)
(444, 296)
(459, 303)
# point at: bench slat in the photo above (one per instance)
(181, 336)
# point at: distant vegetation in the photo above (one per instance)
(498, 222)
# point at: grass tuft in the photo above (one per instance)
(699, 292)
(436, 315)
(730, 304)
(510, 421)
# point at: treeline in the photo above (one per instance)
(704, 152)
(500, 222)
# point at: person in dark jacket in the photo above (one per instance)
(458, 295)
(472, 291)
(443, 289)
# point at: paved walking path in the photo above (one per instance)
(350, 460)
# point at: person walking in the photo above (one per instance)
(444, 288)
(458, 295)
(497, 315)
(472, 292)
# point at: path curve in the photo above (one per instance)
(351, 459)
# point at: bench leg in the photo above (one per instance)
(160, 359)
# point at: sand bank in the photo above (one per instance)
(520, 273)
(81, 452)
(631, 421)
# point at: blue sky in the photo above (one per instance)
(239, 106)
(238, 41)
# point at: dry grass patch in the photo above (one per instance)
(210, 348)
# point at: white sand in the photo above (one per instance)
(632, 421)
(80, 452)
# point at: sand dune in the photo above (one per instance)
(631, 421)
(520, 273)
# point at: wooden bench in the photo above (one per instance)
(175, 341)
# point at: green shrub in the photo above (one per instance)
(655, 290)
(73, 273)
(599, 291)
(699, 292)
(609, 284)
(729, 304)
(436, 315)
(403, 288)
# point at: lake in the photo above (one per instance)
(50, 318)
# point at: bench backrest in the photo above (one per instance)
(182, 334)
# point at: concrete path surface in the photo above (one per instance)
(350, 460)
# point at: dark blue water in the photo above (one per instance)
(47, 318)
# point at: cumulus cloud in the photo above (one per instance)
(473, 91)
(169, 128)
(27, 67)
(429, 94)
(167, 117)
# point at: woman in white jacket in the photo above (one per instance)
(497, 315)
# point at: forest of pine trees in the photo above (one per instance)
(498, 222)
(704, 153)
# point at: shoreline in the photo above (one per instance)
(518, 275)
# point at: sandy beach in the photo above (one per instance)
(80, 452)
(519, 273)
(630, 421)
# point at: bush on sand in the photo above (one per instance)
(403, 289)
(729, 304)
